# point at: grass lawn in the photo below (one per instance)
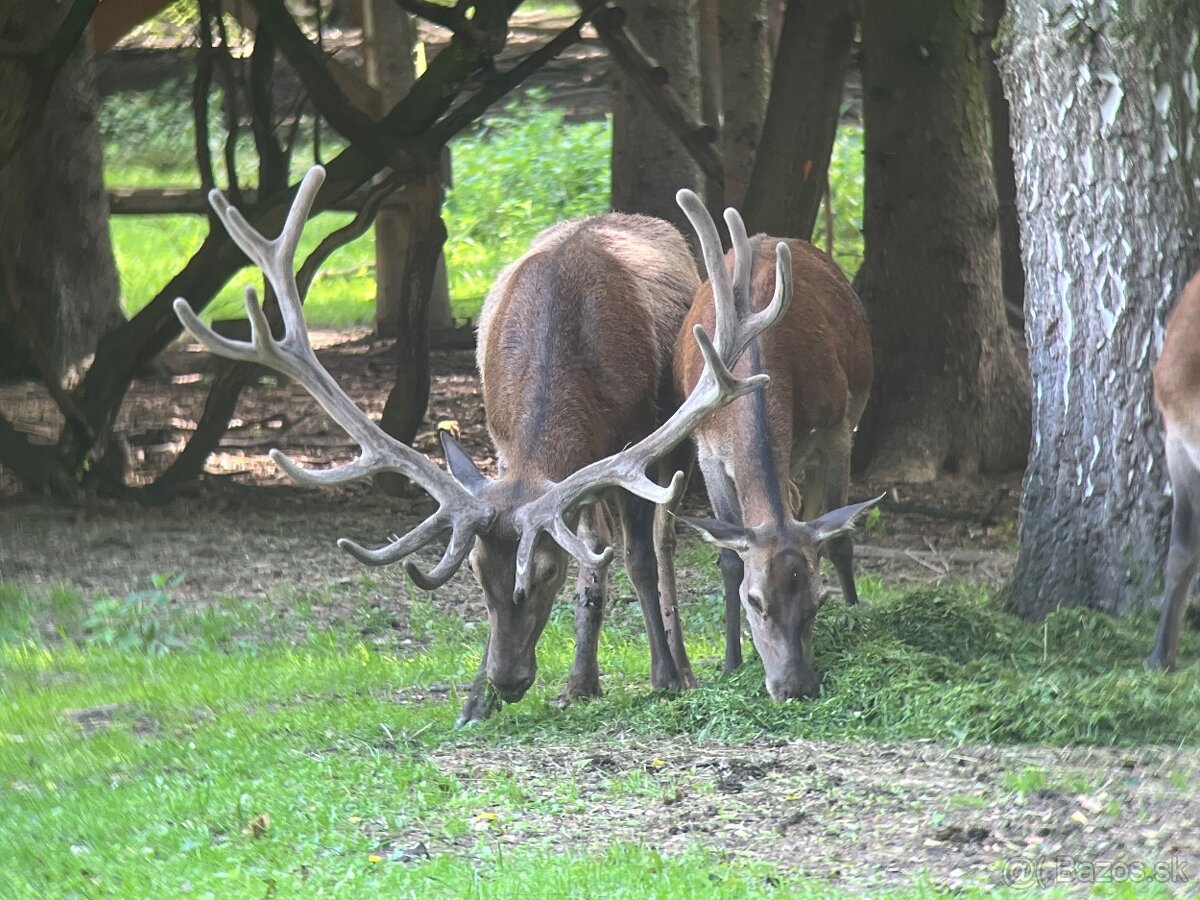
(149, 748)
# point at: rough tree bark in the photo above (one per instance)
(950, 392)
(1104, 113)
(54, 232)
(792, 165)
(649, 164)
(1012, 269)
(745, 55)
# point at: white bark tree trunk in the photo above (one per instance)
(1104, 101)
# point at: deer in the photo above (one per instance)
(755, 452)
(575, 342)
(1176, 380)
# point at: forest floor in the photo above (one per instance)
(801, 798)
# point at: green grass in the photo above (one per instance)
(522, 170)
(214, 726)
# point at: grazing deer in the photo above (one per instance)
(819, 359)
(1177, 392)
(575, 342)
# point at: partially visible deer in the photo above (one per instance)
(575, 342)
(819, 360)
(1177, 392)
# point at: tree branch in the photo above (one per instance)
(327, 96)
(499, 84)
(697, 137)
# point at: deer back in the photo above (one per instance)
(818, 355)
(576, 336)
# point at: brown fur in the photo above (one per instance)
(1177, 372)
(1177, 392)
(575, 338)
(819, 359)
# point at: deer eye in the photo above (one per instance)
(756, 603)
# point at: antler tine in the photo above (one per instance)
(714, 261)
(743, 262)
(426, 532)
(459, 512)
(566, 538)
(780, 300)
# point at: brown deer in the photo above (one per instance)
(1177, 393)
(575, 342)
(819, 359)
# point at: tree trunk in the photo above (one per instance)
(405, 408)
(1012, 269)
(950, 392)
(54, 231)
(745, 83)
(649, 164)
(390, 34)
(792, 165)
(1104, 115)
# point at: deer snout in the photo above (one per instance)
(512, 684)
(803, 685)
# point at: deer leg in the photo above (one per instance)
(637, 522)
(591, 597)
(482, 701)
(1183, 554)
(837, 492)
(722, 493)
(664, 551)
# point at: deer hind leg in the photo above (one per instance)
(1183, 554)
(664, 551)
(722, 494)
(837, 491)
(637, 523)
(482, 701)
(591, 598)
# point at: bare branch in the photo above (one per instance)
(697, 137)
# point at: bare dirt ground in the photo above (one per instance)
(855, 813)
(859, 814)
(245, 530)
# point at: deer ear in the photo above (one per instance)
(722, 534)
(460, 464)
(839, 521)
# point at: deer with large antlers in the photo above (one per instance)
(819, 360)
(575, 346)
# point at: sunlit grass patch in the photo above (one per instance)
(230, 762)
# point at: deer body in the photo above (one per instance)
(798, 431)
(574, 344)
(1177, 393)
(574, 352)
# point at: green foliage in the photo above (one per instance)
(846, 194)
(138, 622)
(522, 171)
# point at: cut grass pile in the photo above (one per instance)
(146, 747)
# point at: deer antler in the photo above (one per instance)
(459, 512)
(736, 326)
